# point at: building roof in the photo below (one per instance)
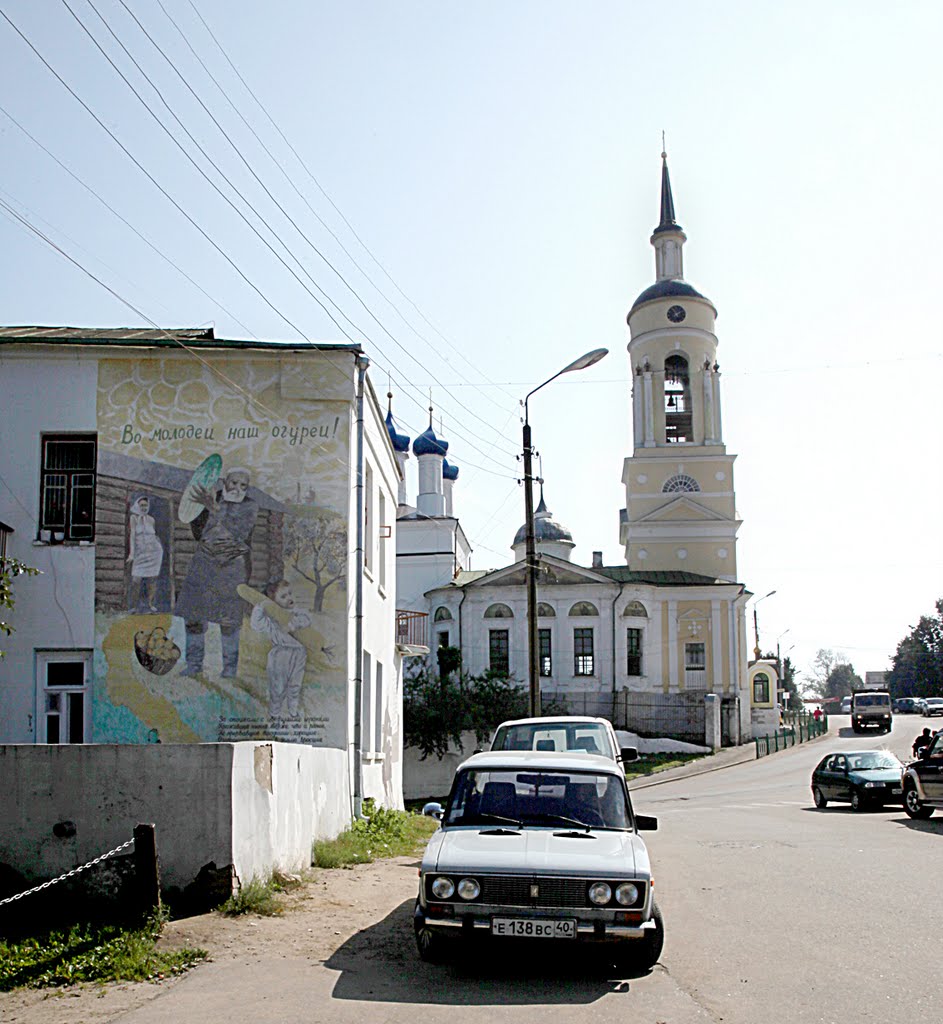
(670, 287)
(667, 220)
(154, 337)
(661, 577)
(428, 444)
(399, 441)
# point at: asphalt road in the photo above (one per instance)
(774, 912)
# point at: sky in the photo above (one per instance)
(469, 191)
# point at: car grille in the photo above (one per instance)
(515, 891)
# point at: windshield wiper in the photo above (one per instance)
(565, 820)
(498, 817)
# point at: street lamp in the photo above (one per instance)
(530, 557)
(756, 631)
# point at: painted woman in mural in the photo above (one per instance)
(145, 557)
(221, 563)
(279, 619)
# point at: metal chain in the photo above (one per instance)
(68, 874)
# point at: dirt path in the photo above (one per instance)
(319, 917)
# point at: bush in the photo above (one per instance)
(380, 833)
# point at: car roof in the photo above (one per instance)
(571, 760)
(858, 753)
(556, 719)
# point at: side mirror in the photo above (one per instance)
(646, 823)
(433, 810)
(628, 754)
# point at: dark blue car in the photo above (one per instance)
(863, 778)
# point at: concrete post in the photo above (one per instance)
(712, 731)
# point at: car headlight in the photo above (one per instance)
(627, 894)
(600, 893)
(443, 888)
(469, 889)
(872, 785)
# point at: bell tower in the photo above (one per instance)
(680, 511)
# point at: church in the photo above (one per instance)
(641, 643)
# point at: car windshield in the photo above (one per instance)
(546, 797)
(935, 701)
(872, 700)
(873, 759)
(590, 737)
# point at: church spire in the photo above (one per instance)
(668, 222)
(668, 238)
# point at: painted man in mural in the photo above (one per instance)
(220, 565)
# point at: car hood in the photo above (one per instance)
(876, 775)
(531, 851)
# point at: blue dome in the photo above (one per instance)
(544, 530)
(669, 288)
(428, 444)
(400, 441)
(449, 472)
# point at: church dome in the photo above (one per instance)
(400, 441)
(449, 472)
(669, 288)
(428, 444)
(545, 528)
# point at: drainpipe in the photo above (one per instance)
(362, 363)
(614, 603)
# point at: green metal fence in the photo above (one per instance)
(797, 727)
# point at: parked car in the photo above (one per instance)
(905, 706)
(922, 781)
(846, 705)
(920, 705)
(865, 778)
(932, 706)
(591, 735)
(540, 846)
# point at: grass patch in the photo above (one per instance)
(651, 764)
(381, 833)
(255, 897)
(91, 953)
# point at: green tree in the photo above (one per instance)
(842, 680)
(10, 568)
(438, 708)
(917, 668)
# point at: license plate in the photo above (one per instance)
(897, 791)
(531, 928)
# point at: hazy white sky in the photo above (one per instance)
(501, 161)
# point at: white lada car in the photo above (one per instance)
(542, 846)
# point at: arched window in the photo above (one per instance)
(680, 482)
(545, 610)
(499, 611)
(677, 400)
(636, 608)
(761, 688)
(442, 614)
(584, 608)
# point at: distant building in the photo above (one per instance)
(214, 523)
(668, 626)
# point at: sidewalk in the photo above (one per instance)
(724, 758)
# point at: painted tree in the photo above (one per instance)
(10, 568)
(316, 548)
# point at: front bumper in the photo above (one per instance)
(477, 922)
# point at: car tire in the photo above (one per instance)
(913, 805)
(643, 954)
(430, 945)
(857, 801)
(819, 797)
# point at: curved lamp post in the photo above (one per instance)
(530, 558)
(756, 632)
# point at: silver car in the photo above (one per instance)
(540, 846)
(570, 732)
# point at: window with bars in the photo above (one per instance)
(63, 696)
(545, 656)
(583, 655)
(695, 657)
(499, 659)
(633, 646)
(67, 486)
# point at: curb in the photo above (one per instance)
(726, 758)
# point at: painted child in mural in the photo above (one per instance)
(278, 619)
(221, 563)
(145, 557)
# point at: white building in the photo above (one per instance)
(214, 523)
(648, 639)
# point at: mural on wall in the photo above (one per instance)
(221, 552)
